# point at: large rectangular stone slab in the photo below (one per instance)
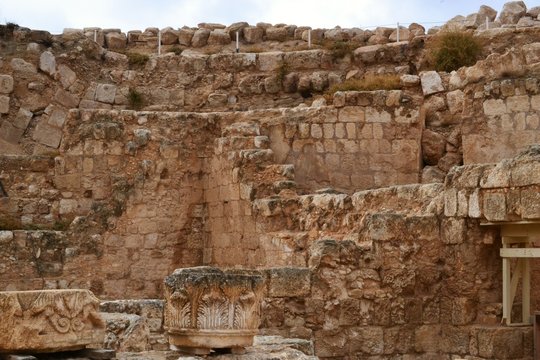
(49, 321)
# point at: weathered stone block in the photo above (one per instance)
(6, 84)
(47, 135)
(10, 133)
(200, 38)
(106, 93)
(4, 104)
(431, 82)
(500, 342)
(453, 230)
(289, 282)
(518, 103)
(219, 37)
(530, 203)
(66, 75)
(66, 99)
(512, 12)
(47, 63)
(116, 40)
(494, 206)
(22, 119)
(253, 34)
(49, 320)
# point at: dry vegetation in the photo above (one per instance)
(450, 50)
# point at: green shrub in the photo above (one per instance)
(339, 49)
(282, 70)
(6, 31)
(137, 60)
(368, 83)
(176, 50)
(451, 50)
(135, 99)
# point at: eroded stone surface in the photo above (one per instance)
(49, 320)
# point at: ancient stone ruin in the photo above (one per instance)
(205, 196)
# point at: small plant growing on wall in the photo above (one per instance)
(282, 70)
(135, 99)
(451, 50)
(137, 60)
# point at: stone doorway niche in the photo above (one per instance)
(518, 248)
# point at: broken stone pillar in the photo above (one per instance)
(49, 321)
(207, 308)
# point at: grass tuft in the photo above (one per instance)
(137, 60)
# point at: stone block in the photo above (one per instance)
(10, 133)
(512, 12)
(494, 206)
(453, 230)
(454, 99)
(349, 114)
(289, 282)
(185, 36)
(115, 40)
(66, 75)
(463, 311)
(169, 36)
(57, 118)
(427, 338)
(431, 82)
(47, 135)
(6, 84)
(500, 342)
(253, 34)
(47, 63)
(219, 37)
(66, 99)
(4, 104)
(126, 332)
(270, 61)
(49, 320)
(530, 203)
(19, 65)
(22, 119)
(375, 116)
(105, 93)
(518, 103)
(276, 34)
(367, 339)
(200, 38)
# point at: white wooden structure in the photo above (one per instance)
(518, 240)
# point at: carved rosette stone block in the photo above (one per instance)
(49, 321)
(209, 308)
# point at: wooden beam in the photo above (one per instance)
(530, 229)
(518, 271)
(516, 239)
(507, 306)
(526, 291)
(520, 252)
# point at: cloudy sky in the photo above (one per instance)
(55, 15)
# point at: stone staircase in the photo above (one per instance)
(253, 161)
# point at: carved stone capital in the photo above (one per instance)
(49, 320)
(210, 308)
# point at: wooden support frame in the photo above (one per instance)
(517, 244)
